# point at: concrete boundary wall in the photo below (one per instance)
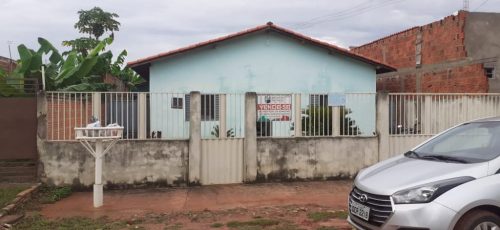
(127, 163)
(178, 162)
(288, 159)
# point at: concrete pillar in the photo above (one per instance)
(222, 116)
(41, 135)
(250, 143)
(141, 116)
(298, 115)
(96, 107)
(194, 138)
(383, 126)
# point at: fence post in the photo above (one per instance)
(383, 126)
(141, 116)
(298, 115)
(96, 106)
(41, 134)
(427, 115)
(194, 138)
(222, 116)
(250, 143)
(336, 120)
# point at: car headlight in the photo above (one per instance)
(428, 192)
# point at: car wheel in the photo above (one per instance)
(479, 220)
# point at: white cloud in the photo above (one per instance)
(151, 26)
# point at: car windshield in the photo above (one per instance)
(468, 143)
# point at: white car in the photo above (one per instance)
(448, 181)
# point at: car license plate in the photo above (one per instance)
(359, 210)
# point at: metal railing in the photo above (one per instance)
(143, 115)
(316, 115)
(428, 114)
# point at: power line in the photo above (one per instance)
(347, 13)
(482, 4)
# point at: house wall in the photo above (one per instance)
(127, 163)
(447, 65)
(262, 62)
(283, 159)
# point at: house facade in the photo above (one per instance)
(458, 54)
(267, 59)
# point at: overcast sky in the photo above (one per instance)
(152, 26)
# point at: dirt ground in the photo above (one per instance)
(300, 205)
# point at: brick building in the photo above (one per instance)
(457, 54)
(7, 64)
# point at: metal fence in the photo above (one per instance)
(144, 115)
(316, 115)
(413, 118)
(222, 115)
(427, 114)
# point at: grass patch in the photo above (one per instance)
(326, 228)
(173, 227)
(77, 223)
(8, 194)
(323, 216)
(54, 194)
(260, 223)
(216, 225)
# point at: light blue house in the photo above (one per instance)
(264, 59)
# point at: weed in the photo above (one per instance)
(8, 194)
(320, 216)
(259, 223)
(326, 228)
(54, 194)
(216, 225)
(78, 223)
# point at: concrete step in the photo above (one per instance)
(27, 169)
(17, 163)
(20, 171)
(18, 179)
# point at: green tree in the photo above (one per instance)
(318, 121)
(93, 23)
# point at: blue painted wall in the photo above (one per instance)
(263, 63)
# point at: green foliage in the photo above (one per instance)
(323, 215)
(94, 23)
(36, 221)
(54, 194)
(215, 132)
(8, 194)
(217, 225)
(318, 121)
(261, 223)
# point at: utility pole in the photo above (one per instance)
(466, 5)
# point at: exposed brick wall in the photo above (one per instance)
(5, 63)
(63, 115)
(444, 40)
(441, 42)
(463, 79)
(398, 49)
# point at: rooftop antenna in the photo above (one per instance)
(466, 5)
(10, 56)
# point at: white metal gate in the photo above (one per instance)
(222, 161)
(414, 118)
